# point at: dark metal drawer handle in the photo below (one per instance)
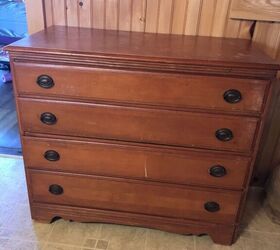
(212, 206)
(48, 118)
(45, 81)
(51, 155)
(55, 189)
(224, 134)
(217, 171)
(232, 96)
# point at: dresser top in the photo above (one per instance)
(197, 50)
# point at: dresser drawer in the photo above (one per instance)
(136, 197)
(177, 90)
(138, 124)
(130, 161)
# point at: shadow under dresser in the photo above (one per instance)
(151, 130)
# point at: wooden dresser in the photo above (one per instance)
(151, 130)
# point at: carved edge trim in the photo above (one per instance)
(220, 69)
(99, 215)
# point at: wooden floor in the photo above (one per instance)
(9, 134)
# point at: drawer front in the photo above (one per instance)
(130, 161)
(139, 87)
(136, 197)
(138, 124)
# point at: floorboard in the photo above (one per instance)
(9, 134)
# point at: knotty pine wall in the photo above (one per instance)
(188, 17)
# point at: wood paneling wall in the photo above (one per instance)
(189, 17)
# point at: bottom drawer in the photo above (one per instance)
(117, 194)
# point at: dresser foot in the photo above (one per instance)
(224, 238)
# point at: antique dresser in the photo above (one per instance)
(158, 131)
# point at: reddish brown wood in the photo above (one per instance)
(221, 234)
(134, 196)
(138, 124)
(145, 46)
(156, 101)
(148, 163)
(175, 90)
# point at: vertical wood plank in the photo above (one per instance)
(152, 15)
(207, 17)
(34, 11)
(125, 15)
(220, 18)
(48, 13)
(267, 35)
(111, 14)
(59, 12)
(193, 17)
(244, 30)
(232, 26)
(84, 13)
(72, 12)
(138, 15)
(165, 16)
(98, 14)
(179, 16)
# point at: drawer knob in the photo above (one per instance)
(48, 118)
(212, 206)
(224, 134)
(45, 81)
(52, 155)
(55, 189)
(232, 96)
(217, 171)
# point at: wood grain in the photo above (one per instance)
(127, 124)
(59, 12)
(72, 13)
(136, 162)
(261, 10)
(144, 88)
(32, 15)
(98, 14)
(84, 13)
(134, 196)
(139, 130)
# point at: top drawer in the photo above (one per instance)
(177, 90)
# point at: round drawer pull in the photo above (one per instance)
(55, 189)
(212, 206)
(48, 118)
(232, 96)
(224, 134)
(217, 171)
(51, 155)
(45, 81)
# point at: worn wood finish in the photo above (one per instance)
(221, 234)
(146, 47)
(141, 87)
(138, 124)
(141, 130)
(134, 196)
(138, 162)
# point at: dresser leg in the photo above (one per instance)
(227, 237)
(45, 217)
